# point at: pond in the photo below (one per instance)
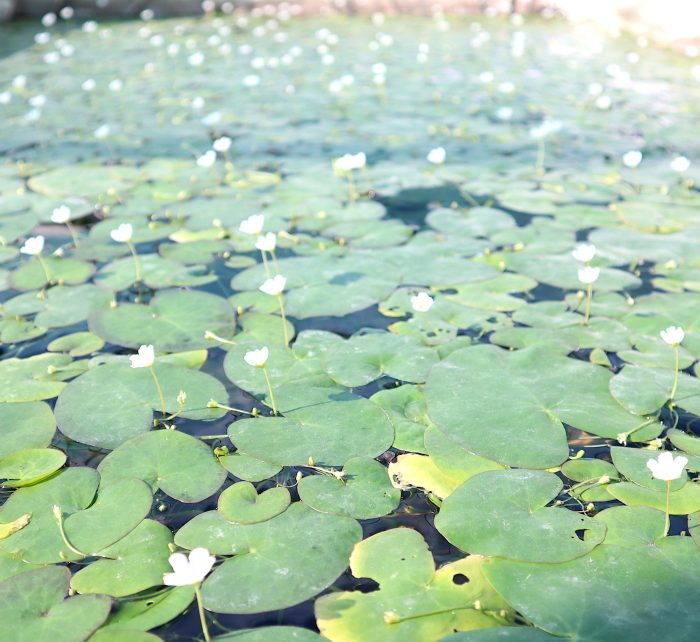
(397, 318)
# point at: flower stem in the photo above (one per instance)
(160, 390)
(675, 378)
(667, 523)
(587, 310)
(269, 389)
(44, 267)
(137, 262)
(74, 236)
(58, 515)
(202, 615)
(274, 261)
(284, 321)
(351, 186)
(265, 263)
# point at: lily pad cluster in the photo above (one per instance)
(408, 391)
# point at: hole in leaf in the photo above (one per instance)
(460, 578)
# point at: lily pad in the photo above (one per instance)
(504, 513)
(241, 504)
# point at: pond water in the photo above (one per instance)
(487, 230)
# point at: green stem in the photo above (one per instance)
(137, 262)
(269, 389)
(675, 378)
(74, 236)
(351, 186)
(44, 267)
(160, 390)
(202, 615)
(267, 267)
(587, 310)
(274, 260)
(540, 157)
(284, 321)
(397, 619)
(667, 523)
(58, 514)
(215, 404)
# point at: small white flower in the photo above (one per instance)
(144, 359)
(115, 85)
(436, 156)
(680, 164)
(422, 302)
(190, 570)
(252, 225)
(632, 158)
(266, 242)
(545, 129)
(673, 335)
(222, 144)
(207, 159)
(88, 85)
(588, 274)
(196, 59)
(274, 286)
(257, 358)
(102, 131)
(33, 245)
(603, 102)
(667, 467)
(61, 214)
(348, 162)
(584, 252)
(123, 233)
(251, 80)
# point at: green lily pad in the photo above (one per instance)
(337, 427)
(31, 276)
(503, 513)
(277, 563)
(645, 390)
(241, 504)
(534, 389)
(129, 397)
(31, 379)
(34, 607)
(174, 320)
(414, 602)
(77, 344)
(365, 492)
(248, 468)
(25, 425)
(26, 467)
(181, 466)
(135, 563)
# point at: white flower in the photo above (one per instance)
(207, 159)
(632, 158)
(102, 131)
(422, 302)
(123, 233)
(61, 214)
(584, 252)
(603, 102)
(266, 242)
(252, 225)
(251, 80)
(257, 358)
(348, 162)
(190, 570)
(545, 129)
(115, 85)
(144, 359)
(274, 286)
(33, 245)
(667, 467)
(673, 335)
(436, 156)
(588, 274)
(680, 164)
(222, 144)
